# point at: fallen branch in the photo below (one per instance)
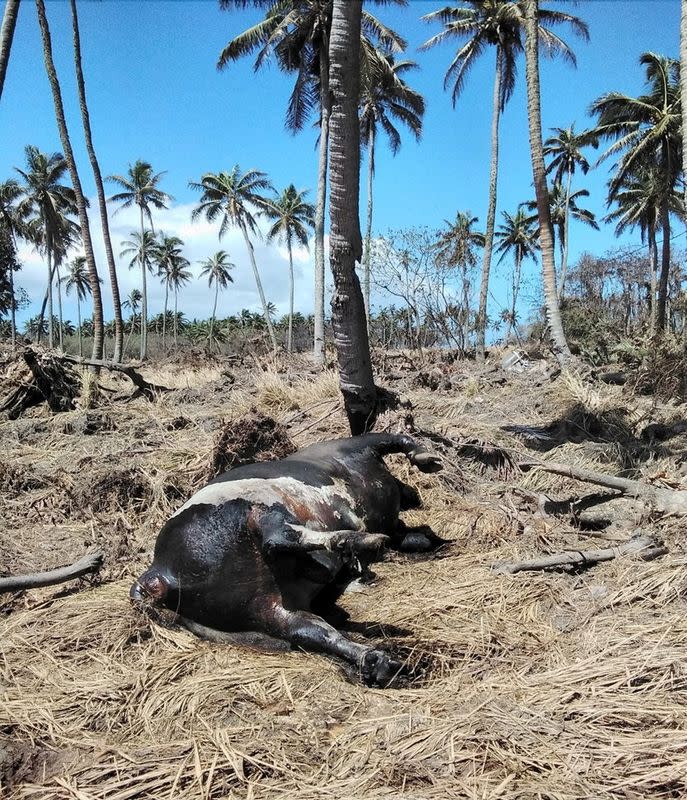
(143, 387)
(16, 583)
(666, 501)
(645, 547)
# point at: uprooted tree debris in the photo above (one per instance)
(35, 377)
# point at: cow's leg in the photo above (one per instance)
(310, 632)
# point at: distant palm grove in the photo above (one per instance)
(422, 287)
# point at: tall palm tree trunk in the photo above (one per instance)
(514, 296)
(289, 346)
(345, 244)
(164, 317)
(653, 268)
(368, 230)
(553, 312)
(491, 211)
(78, 317)
(9, 23)
(564, 237)
(665, 272)
(176, 318)
(321, 201)
(98, 328)
(97, 175)
(683, 92)
(144, 297)
(258, 284)
(60, 330)
(214, 311)
(51, 333)
(13, 310)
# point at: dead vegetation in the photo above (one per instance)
(534, 685)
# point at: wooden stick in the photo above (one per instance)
(143, 387)
(86, 564)
(644, 546)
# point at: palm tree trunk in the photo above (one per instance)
(144, 298)
(564, 237)
(683, 92)
(325, 109)
(214, 311)
(653, 267)
(58, 284)
(665, 272)
(9, 23)
(176, 318)
(13, 310)
(553, 312)
(368, 232)
(98, 328)
(345, 245)
(514, 296)
(78, 316)
(97, 175)
(258, 284)
(51, 334)
(290, 339)
(491, 212)
(164, 317)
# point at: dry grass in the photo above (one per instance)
(535, 686)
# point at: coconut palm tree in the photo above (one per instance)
(133, 303)
(297, 34)
(77, 279)
(345, 244)
(565, 149)
(646, 132)
(13, 222)
(233, 198)
(385, 100)
(292, 217)
(178, 275)
(553, 311)
(499, 24)
(217, 269)
(140, 188)
(141, 248)
(517, 236)
(9, 23)
(167, 256)
(100, 191)
(81, 203)
(48, 201)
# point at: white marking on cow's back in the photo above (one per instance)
(269, 492)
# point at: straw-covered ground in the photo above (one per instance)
(534, 685)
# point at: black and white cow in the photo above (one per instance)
(263, 546)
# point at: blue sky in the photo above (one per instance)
(154, 93)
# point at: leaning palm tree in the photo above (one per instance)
(517, 236)
(565, 149)
(553, 311)
(9, 23)
(497, 23)
(217, 270)
(233, 198)
(81, 202)
(166, 254)
(48, 201)
(385, 99)
(140, 188)
(77, 279)
(646, 132)
(292, 217)
(297, 33)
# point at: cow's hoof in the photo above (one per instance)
(378, 668)
(427, 462)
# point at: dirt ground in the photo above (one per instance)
(536, 685)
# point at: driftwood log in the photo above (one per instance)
(86, 564)
(644, 547)
(143, 387)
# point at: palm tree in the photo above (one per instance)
(385, 99)
(517, 236)
(141, 248)
(647, 131)
(9, 23)
(553, 311)
(217, 269)
(497, 23)
(77, 279)
(565, 149)
(133, 303)
(98, 323)
(140, 187)
(100, 191)
(178, 275)
(13, 222)
(292, 217)
(231, 197)
(345, 243)
(297, 33)
(49, 202)
(167, 256)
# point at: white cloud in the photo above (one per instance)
(201, 241)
